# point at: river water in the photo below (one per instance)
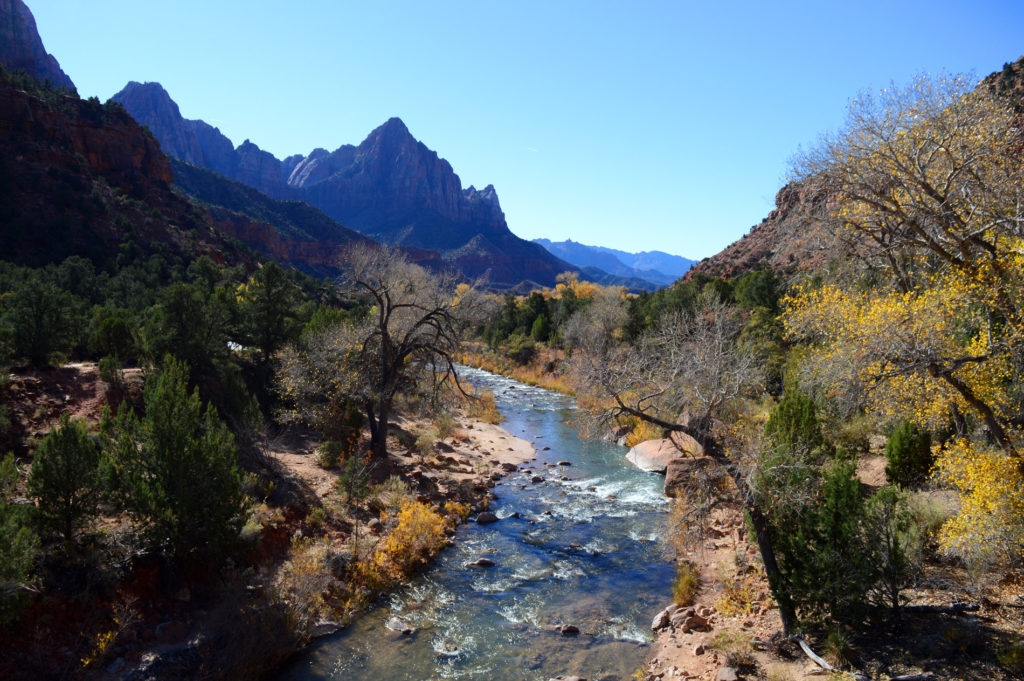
(586, 550)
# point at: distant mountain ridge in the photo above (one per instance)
(22, 49)
(657, 267)
(390, 187)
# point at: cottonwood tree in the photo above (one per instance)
(407, 342)
(928, 180)
(686, 376)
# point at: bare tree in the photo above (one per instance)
(686, 376)
(407, 342)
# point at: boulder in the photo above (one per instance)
(727, 674)
(325, 628)
(654, 455)
(395, 624)
(661, 620)
(569, 630)
(680, 472)
(481, 562)
(694, 623)
(616, 433)
(486, 518)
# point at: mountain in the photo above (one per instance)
(82, 178)
(793, 236)
(655, 267)
(22, 49)
(390, 187)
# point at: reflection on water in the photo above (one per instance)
(585, 551)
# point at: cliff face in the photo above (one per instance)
(81, 178)
(192, 141)
(390, 187)
(21, 47)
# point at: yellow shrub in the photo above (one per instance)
(418, 536)
(990, 523)
(642, 432)
(456, 511)
(485, 408)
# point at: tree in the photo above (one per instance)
(268, 303)
(927, 188)
(66, 479)
(191, 326)
(43, 319)
(407, 342)
(18, 543)
(176, 469)
(927, 178)
(687, 376)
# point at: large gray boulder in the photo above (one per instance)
(655, 455)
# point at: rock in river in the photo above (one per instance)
(486, 518)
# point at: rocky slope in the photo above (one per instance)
(390, 187)
(791, 238)
(21, 47)
(81, 178)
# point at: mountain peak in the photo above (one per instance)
(150, 97)
(22, 48)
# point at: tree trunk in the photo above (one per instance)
(763, 534)
(379, 439)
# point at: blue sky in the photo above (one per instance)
(636, 125)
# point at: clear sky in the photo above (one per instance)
(637, 125)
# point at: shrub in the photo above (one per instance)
(418, 535)
(18, 544)
(425, 441)
(736, 645)
(176, 469)
(909, 455)
(642, 432)
(354, 479)
(520, 349)
(822, 550)
(445, 425)
(110, 372)
(114, 337)
(686, 584)
(329, 453)
(483, 407)
(66, 479)
(794, 424)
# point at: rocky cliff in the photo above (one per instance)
(792, 237)
(82, 178)
(22, 48)
(390, 187)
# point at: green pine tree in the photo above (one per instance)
(65, 478)
(176, 468)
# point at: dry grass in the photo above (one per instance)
(687, 583)
(737, 646)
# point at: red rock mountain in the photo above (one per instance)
(22, 49)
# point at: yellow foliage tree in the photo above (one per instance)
(926, 184)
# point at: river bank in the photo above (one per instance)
(310, 584)
(573, 570)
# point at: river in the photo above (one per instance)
(585, 550)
